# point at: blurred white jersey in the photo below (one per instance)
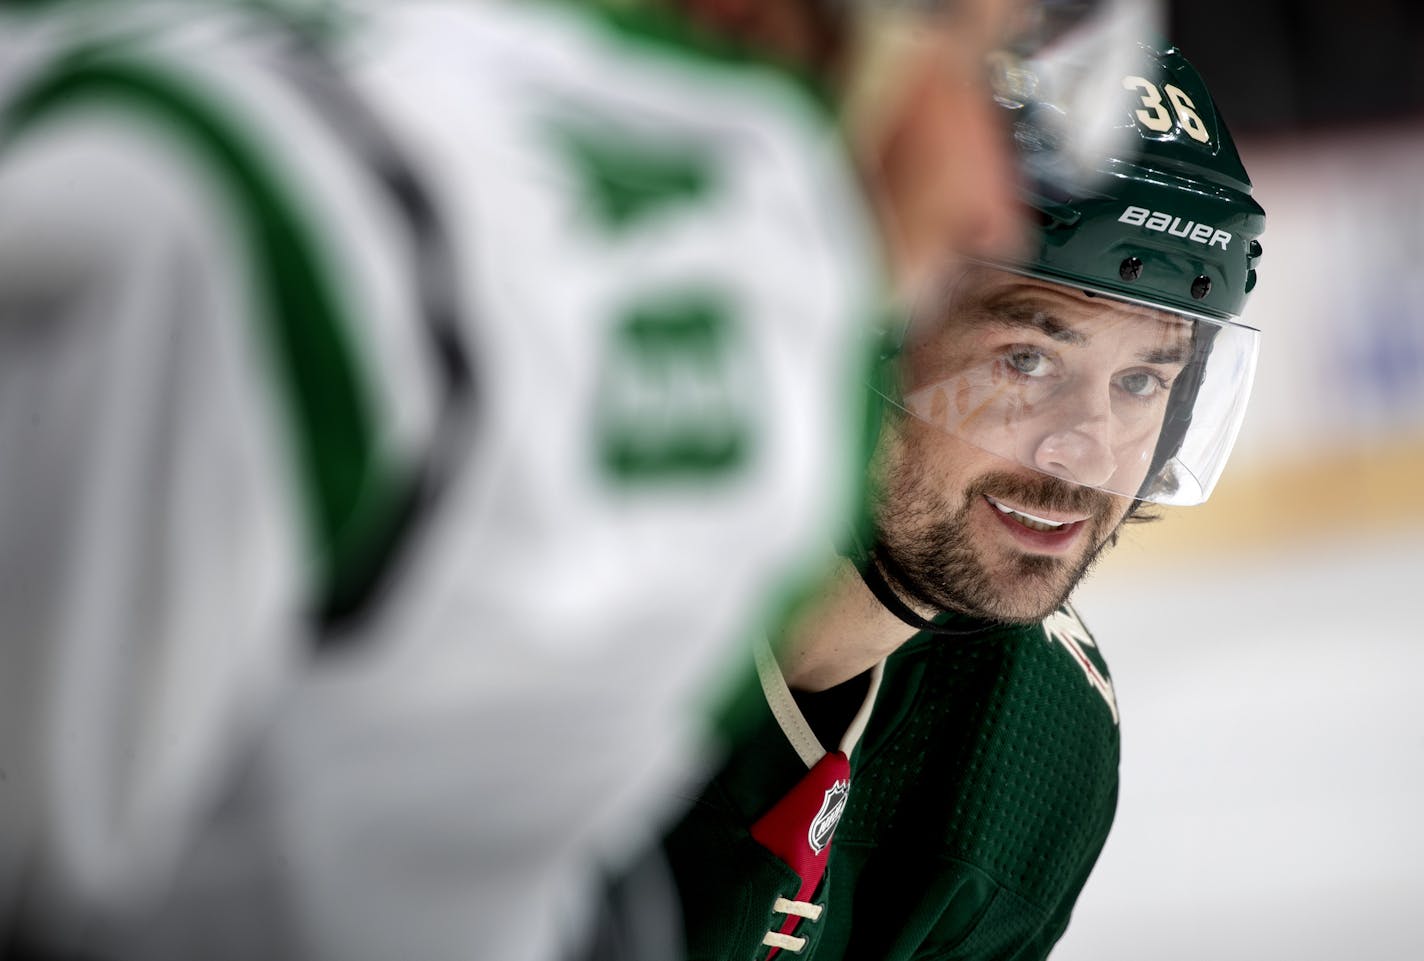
(400, 433)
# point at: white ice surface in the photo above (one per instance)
(1273, 758)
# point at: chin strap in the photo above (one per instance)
(885, 594)
(871, 565)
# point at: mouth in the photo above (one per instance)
(1033, 522)
(1048, 534)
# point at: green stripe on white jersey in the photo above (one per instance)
(349, 484)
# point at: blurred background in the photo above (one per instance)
(1268, 647)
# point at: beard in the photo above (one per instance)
(927, 548)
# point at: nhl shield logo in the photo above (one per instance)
(823, 825)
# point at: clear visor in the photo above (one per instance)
(1126, 398)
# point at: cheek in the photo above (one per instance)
(940, 467)
(1113, 517)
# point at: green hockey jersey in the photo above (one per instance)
(981, 793)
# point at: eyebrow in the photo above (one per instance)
(1176, 354)
(1014, 312)
(1019, 314)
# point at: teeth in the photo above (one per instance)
(1028, 520)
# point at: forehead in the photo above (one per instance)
(999, 296)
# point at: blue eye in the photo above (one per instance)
(1029, 362)
(1142, 383)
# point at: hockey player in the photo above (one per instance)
(932, 770)
(381, 385)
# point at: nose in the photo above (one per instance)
(1079, 449)
(989, 222)
(941, 169)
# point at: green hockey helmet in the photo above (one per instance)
(1169, 220)
(1111, 355)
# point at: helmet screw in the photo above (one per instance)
(1130, 269)
(1201, 287)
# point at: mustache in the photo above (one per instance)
(1040, 492)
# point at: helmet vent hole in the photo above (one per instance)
(1201, 287)
(1130, 269)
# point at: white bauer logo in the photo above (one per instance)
(1191, 230)
(823, 825)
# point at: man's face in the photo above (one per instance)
(933, 148)
(1028, 399)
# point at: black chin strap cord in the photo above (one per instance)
(871, 564)
(885, 594)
